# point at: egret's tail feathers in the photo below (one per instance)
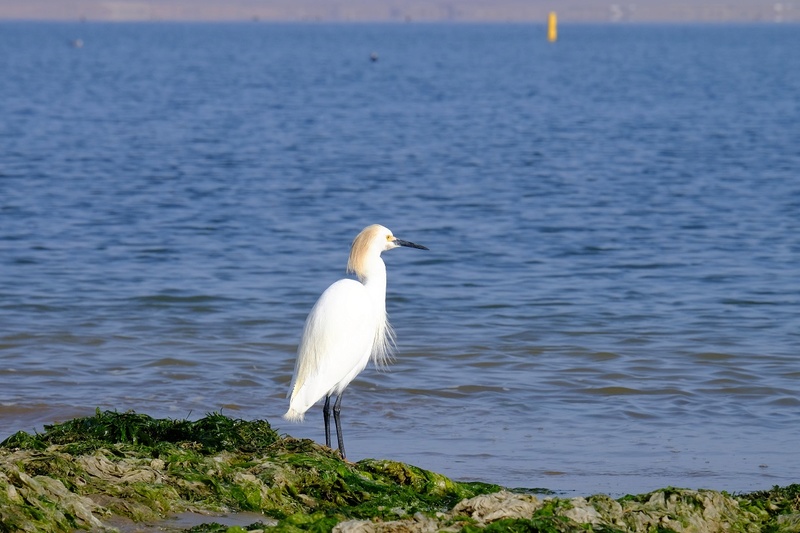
(294, 416)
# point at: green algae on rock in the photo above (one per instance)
(131, 465)
(663, 511)
(89, 473)
(211, 434)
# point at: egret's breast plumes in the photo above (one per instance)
(383, 348)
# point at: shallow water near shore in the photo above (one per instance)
(610, 302)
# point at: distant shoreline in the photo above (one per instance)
(403, 23)
(401, 11)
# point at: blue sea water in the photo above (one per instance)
(610, 303)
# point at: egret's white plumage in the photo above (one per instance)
(345, 329)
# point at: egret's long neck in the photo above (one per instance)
(374, 279)
(373, 276)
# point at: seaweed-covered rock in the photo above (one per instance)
(126, 464)
(497, 506)
(91, 472)
(682, 510)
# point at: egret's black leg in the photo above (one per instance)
(337, 408)
(326, 415)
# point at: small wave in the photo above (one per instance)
(171, 361)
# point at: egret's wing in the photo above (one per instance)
(336, 343)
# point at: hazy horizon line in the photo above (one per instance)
(731, 22)
(402, 11)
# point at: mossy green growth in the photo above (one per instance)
(778, 507)
(75, 474)
(88, 472)
(210, 434)
(538, 525)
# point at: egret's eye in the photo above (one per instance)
(389, 238)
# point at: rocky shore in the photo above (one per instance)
(129, 472)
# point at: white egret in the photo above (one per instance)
(344, 330)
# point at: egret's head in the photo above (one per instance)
(371, 242)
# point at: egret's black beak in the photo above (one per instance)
(407, 244)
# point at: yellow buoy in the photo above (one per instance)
(552, 30)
